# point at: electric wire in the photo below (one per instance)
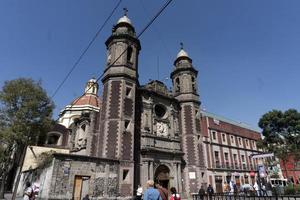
(138, 36)
(86, 49)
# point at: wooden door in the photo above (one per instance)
(77, 188)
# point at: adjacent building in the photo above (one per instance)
(229, 147)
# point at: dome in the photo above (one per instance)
(87, 99)
(124, 19)
(92, 80)
(182, 53)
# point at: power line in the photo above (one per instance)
(138, 36)
(85, 50)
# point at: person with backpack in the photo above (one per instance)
(201, 193)
(163, 191)
(151, 193)
(28, 193)
(174, 194)
(210, 191)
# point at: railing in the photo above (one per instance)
(227, 196)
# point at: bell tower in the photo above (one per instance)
(185, 90)
(117, 120)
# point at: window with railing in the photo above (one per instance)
(218, 164)
(227, 165)
(236, 165)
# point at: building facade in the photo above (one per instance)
(135, 132)
(229, 147)
(291, 169)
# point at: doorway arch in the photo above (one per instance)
(162, 176)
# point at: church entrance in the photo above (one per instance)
(162, 176)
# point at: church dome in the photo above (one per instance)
(124, 19)
(87, 99)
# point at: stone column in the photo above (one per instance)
(179, 177)
(175, 167)
(151, 170)
(144, 173)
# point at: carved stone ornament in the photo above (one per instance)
(162, 129)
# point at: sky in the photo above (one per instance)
(246, 51)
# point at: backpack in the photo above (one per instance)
(29, 194)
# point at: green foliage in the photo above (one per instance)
(45, 159)
(25, 117)
(281, 131)
(289, 190)
(26, 110)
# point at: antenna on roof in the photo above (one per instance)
(158, 68)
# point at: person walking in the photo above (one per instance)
(151, 193)
(28, 193)
(256, 187)
(210, 191)
(139, 193)
(163, 191)
(201, 193)
(174, 194)
(269, 189)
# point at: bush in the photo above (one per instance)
(289, 190)
(298, 189)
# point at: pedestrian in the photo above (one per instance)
(151, 193)
(269, 189)
(174, 194)
(256, 187)
(210, 191)
(163, 191)
(86, 197)
(226, 190)
(139, 192)
(28, 192)
(201, 193)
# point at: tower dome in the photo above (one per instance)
(182, 53)
(124, 19)
(182, 60)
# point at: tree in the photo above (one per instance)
(281, 131)
(25, 117)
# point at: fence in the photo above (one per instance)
(224, 196)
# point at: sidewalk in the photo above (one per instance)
(8, 196)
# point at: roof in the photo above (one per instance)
(182, 53)
(87, 99)
(220, 118)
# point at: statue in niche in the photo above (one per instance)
(81, 139)
(146, 122)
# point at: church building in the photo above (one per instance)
(131, 134)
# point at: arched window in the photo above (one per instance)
(129, 53)
(177, 85)
(194, 84)
(53, 139)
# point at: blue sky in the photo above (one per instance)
(246, 51)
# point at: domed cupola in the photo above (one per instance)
(124, 26)
(182, 60)
(122, 50)
(184, 75)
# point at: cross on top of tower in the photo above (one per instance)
(181, 45)
(125, 11)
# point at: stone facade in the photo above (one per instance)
(133, 132)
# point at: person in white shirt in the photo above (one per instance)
(139, 192)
